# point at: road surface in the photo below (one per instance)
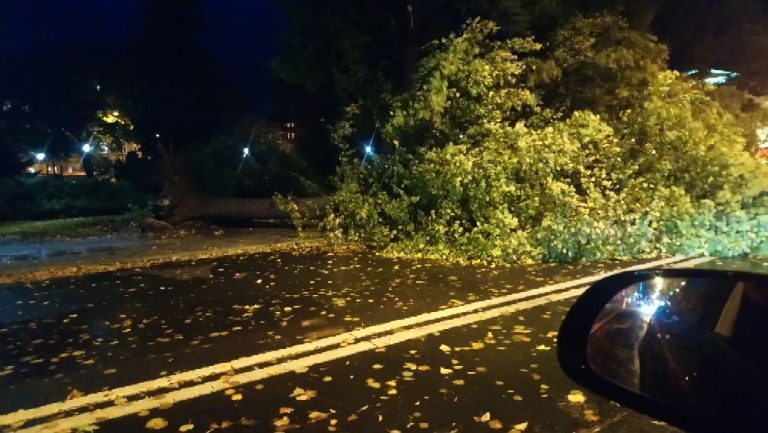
(304, 342)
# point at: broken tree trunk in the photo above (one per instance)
(202, 207)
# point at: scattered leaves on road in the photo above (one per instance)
(577, 397)
(302, 394)
(156, 424)
(316, 416)
(483, 418)
(519, 428)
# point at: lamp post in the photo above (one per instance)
(368, 151)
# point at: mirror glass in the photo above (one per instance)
(698, 344)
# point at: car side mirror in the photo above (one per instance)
(686, 346)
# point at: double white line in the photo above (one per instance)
(393, 331)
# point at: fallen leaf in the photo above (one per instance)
(576, 396)
(75, 393)
(143, 413)
(237, 397)
(281, 422)
(519, 428)
(495, 424)
(284, 410)
(247, 421)
(445, 370)
(317, 416)
(156, 424)
(445, 348)
(302, 395)
(483, 418)
(186, 427)
(591, 416)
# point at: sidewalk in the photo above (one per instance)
(31, 260)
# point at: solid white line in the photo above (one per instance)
(174, 381)
(195, 391)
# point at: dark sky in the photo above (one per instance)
(243, 33)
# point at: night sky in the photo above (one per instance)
(243, 34)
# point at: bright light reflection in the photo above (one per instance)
(40, 156)
(246, 152)
(87, 147)
(648, 308)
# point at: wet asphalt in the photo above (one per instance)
(72, 336)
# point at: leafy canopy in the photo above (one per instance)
(486, 165)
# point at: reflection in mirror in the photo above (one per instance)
(697, 344)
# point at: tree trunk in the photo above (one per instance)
(203, 207)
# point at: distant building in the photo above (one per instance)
(285, 135)
(73, 166)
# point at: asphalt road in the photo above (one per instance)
(298, 342)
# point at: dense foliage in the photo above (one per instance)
(490, 162)
(57, 197)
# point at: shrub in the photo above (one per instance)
(56, 197)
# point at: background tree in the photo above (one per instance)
(602, 65)
(338, 53)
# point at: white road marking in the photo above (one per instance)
(173, 381)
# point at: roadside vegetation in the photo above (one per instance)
(44, 197)
(586, 147)
(64, 228)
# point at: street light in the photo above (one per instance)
(40, 156)
(246, 152)
(87, 147)
(368, 152)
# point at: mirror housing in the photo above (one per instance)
(577, 336)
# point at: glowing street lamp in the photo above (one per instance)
(368, 151)
(246, 152)
(87, 147)
(40, 156)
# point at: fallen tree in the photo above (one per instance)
(204, 207)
